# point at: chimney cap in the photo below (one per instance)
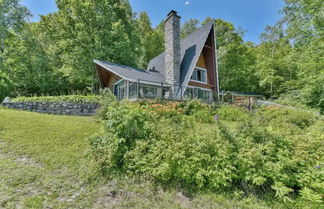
(172, 12)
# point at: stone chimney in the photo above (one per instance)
(172, 49)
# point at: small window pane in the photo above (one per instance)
(199, 75)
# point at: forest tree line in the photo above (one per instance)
(54, 55)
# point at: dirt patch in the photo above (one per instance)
(183, 201)
(112, 197)
(28, 161)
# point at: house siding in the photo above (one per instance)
(201, 63)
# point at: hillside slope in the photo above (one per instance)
(45, 163)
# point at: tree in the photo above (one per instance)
(151, 40)
(236, 59)
(290, 59)
(12, 16)
(189, 27)
(87, 30)
(5, 85)
(28, 64)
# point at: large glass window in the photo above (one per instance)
(200, 75)
(198, 93)
(120, 89)
(133, 93)
(150, 91)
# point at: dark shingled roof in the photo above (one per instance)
(191, 48)
(130, 73)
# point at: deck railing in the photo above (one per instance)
(148, 89)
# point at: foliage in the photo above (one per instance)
(189, 27)
(12, 17)
(270, 151)
(152, 39)
(46, 154)
(290, 57)
(69, 98)
(54, 56)
(230, 113)
(105, 98)
(5, 85)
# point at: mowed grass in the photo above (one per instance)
(53, 140)
(43, 160)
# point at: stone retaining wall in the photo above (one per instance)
(58, 108)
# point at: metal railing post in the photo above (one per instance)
(138, 90)
(162, 96)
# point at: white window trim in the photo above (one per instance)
(203, 69)
(119, 81)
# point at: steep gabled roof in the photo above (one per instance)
(191, 48)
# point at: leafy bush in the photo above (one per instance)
(192, 106)
(170, 145)
(5, 85)
(298, 118)
(67, 98)
(230, 113)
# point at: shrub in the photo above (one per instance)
(299, 118)
(192, 106)
(67, 98)
(106, 99)
(230, 113)
(145, 139)
(5, 85)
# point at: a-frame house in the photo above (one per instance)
(187, 69)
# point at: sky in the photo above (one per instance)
(251, 15)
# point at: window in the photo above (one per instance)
(120, 89)
(198, 93)
(133, 90)
(200, 75)
(150, 91)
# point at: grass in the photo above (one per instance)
(42, 159)
(44, 164)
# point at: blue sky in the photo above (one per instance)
(251, 15)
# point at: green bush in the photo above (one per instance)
(192, 106)
(230, 113)
(5, 85)
(299, 118)
(179, 149)
(67, 98)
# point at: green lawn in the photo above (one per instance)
(43, 161)
(44, 164)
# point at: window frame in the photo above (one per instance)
(195, 92)
(205, 72)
